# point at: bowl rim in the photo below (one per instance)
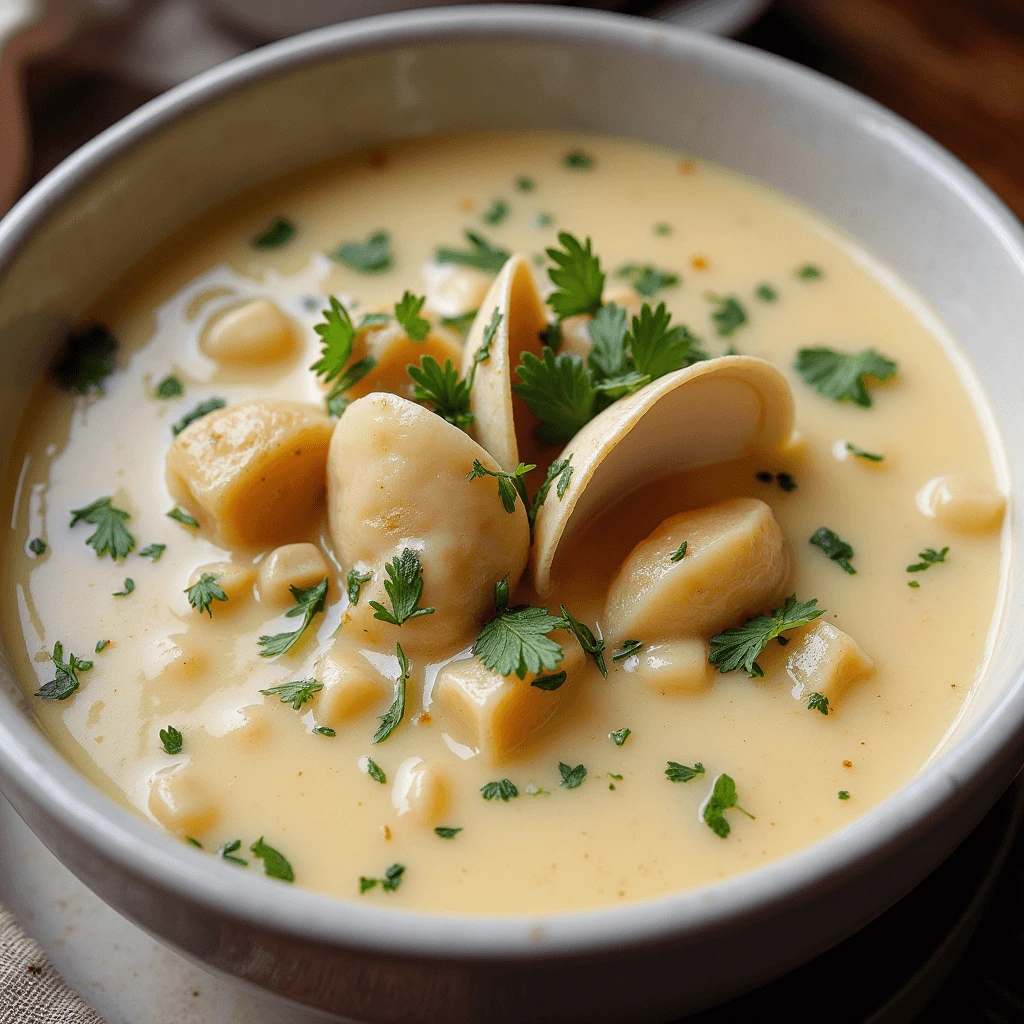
(30, 765)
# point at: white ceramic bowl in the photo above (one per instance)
(510, 67)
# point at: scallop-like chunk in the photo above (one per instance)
(452, 290)
(291, 565)
(255, 729)
(675, 666)
(255, 332)
(962, 503)
(235, 580)
(826, 660)
(351, 687)
(181, 803)
(500, 714)
(253, 472)
(398, 477)
(420, 790)
(180, 658)
(736, 563)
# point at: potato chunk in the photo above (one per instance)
(255, 332)
(736, 563)
(235, 580)
(253, 472)
(291, 565)
(499, 714)
(826, 660)
(675, 667)
(397, 479)
(352, 687)
(453, 290)
(180, 802)
(962, 503)
(420, 790)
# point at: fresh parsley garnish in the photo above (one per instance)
(153, 551)
(181, 516)
(354, 582)
(275, 864)
(766, 293)
(739, 646)
(844, 794)
(656, 348)
(551, 682)
(171, 740)
(577, 277)
(308, 603)
(842, 376)
(201, 410)
(929, 557)
(86, 360)
(446, 831)
(407, 313)
(204, 592)
(558, 390)
(662, 228)
(323, 730)
(525, 184)
(728, 315)
(516, 639)
(102, 645)
(509, 484)
(389, 883)
(560, 470)
(837, 549)
(591, 644)
(128, 588)
(818, 702)
(619, 736)
(861, 454)
(809, 272)
(65, 681)
(677, 555)
(447, 394)
(629, 648)
(296, 693)
(193, 842)
(37, 546)
(110, 534)
(229, 852)
(404, 588)
(170, 387)
(496, 212)
(503, 790)
(676, 772)
(461, 323)
(375, 771)
(337, 334)
(391, 718)
(647, 279)
(481, 254)
(572, 778)
(786, 482)
(281, 232)
(723, 797)
(369, 257)
(578, 161)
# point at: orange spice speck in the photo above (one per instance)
(467, 205)
(686, 167)
(385, 831)
(847, 764)
(699, 263)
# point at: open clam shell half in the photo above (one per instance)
(714, 411)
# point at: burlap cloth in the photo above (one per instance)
(31, 991)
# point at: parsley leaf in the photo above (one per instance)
(65, 681)
(375, 771)
(551, 682)
(578, 161)
(629, 648)
(809, 272)
(620, 736)
(229, 852)
(110, 533)
(841, 376)
(676, 772)
(171, 740)
(275, 864)
(728, 315)
(170, 387)
(739, 646)
(844, 794)
(181, 516)
(37, 546)
(323, 730)
(577, 277)
(766, 293)
(461, 323)
(403, 588)
(480, 255)
(279, 233)
(389, 883)
(786, 482)
(102, 645)
(201, 410)
(861, 454)
(679, 553)
(86, 360)
(818, 702)
(722, 798)
(496, 212)
(609, 355)
(558, 391)
(205, 591)
(560, 470)
(837, 549)
(129, 587)
(572, 778)
(656, 349)
(504, 790)
(336, 401)
(516, 639)
(354, 582)
(509, 484)
(590, 643)
(442, 388)
(391, 718)
(369, 257)
(337, 334)
(446, 831)
(929, 557)
(407, 313)
(307, 603)
(646, 279)
(153, 551)
(525, 184)
(296, 693)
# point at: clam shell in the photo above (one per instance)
(713, 411)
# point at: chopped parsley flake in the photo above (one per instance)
(786, 482)
(647, 279)
(764, 476)
(572, 778)
(170, 387)
(86, 360)
(274, 862)
(153, 551)
(204, 592)
(629, 648)
(307, 604)
(404, 588)
(543, 220)
(496, 212)
(407, 313)
(929, 557)
(37, 546)
(578, 161)
(229, 852)
(481, 254)
(296, 693)
(193, 842)
(679, 552)
(676, 772)
(375, 771)
(446, 831)
(102, 645)
(354, 582)
(619, 736)
(577, 277)
(281, 232)
(503, 790)
(201, 410)
(766, 293)
(391, 718)
(663, 229)
(516, 639)
(110, 534)
(509, 484)
(728, 315)
(560, 470)
(525, 184)
(914, 584)
(723, 797)
(181, 516)
(552, 682)
(739, 646)
(809, 272)
(837, 549)
(323, 730)
(65, 681)
(389, 883)
(844, 794)
(842, 376)
(369, 257)
(861, 454)
(591, 644)
(128, 588)
(818, 702)
(171, 740)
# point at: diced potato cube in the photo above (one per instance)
(181, 658)
(255, 472)
(180, 802)
(962, 503)
(497, 714)
(255, 728)
(676, 666)
(291, 565)
(352, 687)
(255, 332)
(420, 790)
(826, 660)
(235, 580)
(736, 564)
(624, 295)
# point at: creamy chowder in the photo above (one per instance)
(313, 613)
